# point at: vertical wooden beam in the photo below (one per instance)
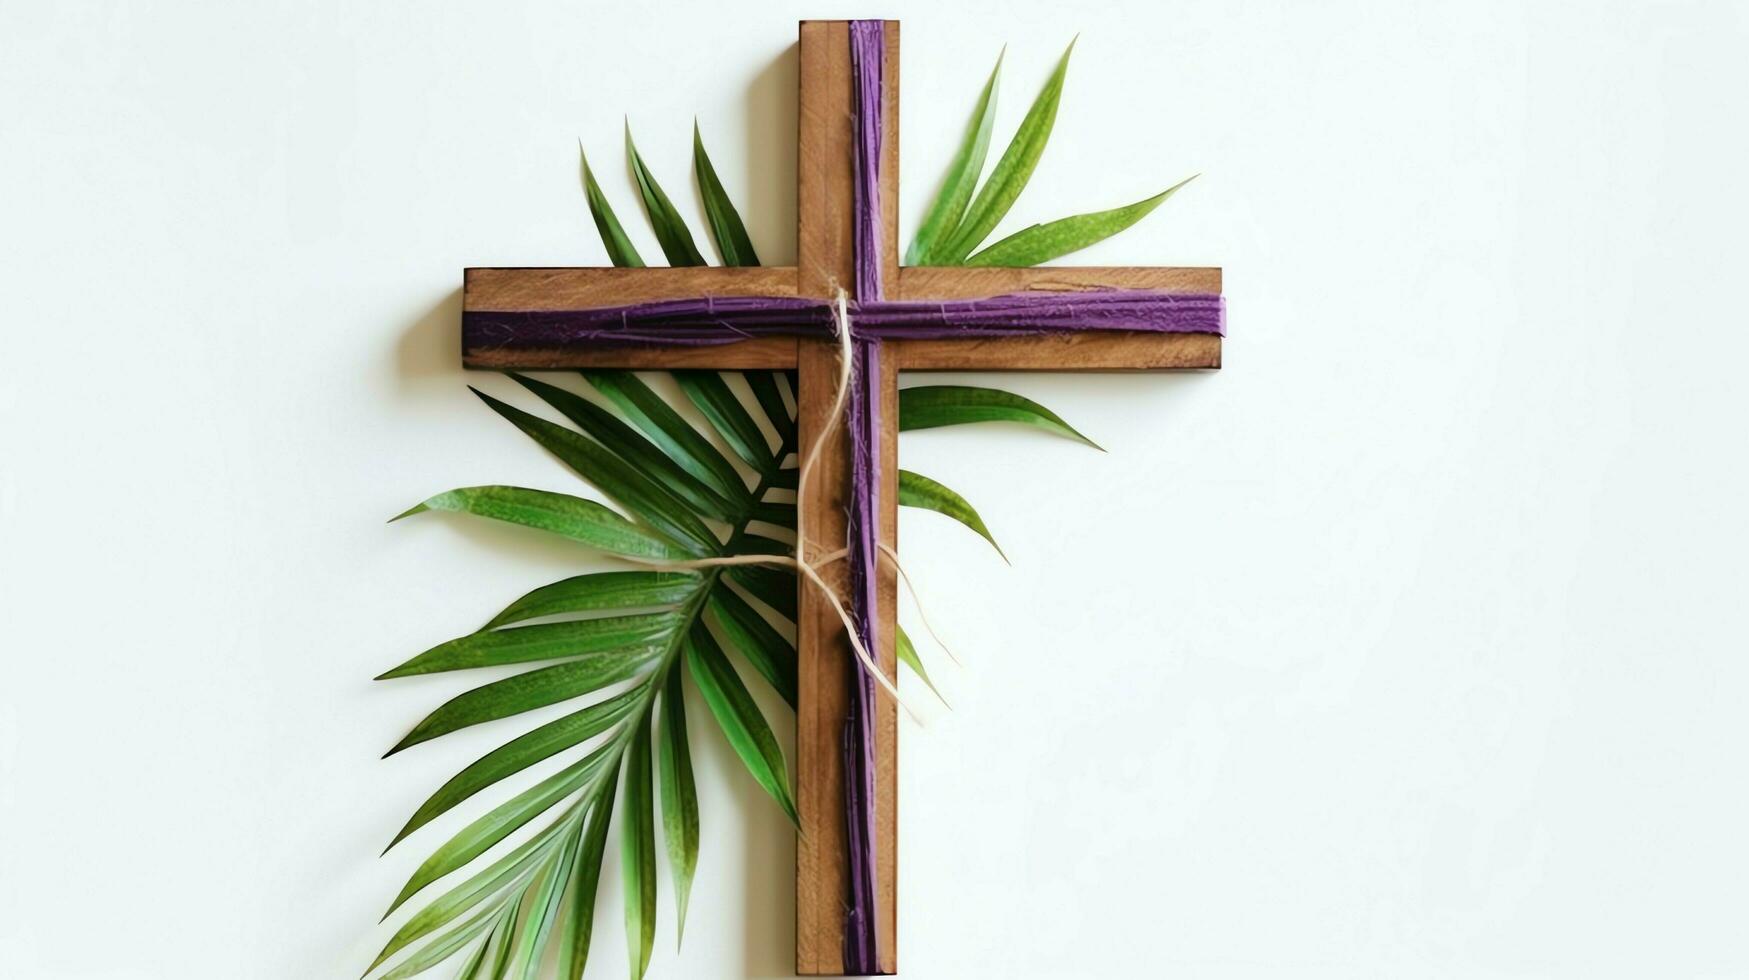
(886, 712)
(825, 260)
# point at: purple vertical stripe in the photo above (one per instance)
(861, 941)
(868, 49)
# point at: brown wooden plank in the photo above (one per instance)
(887, 608)
(764, 354)
(538, 289)
(947, 282)
(825, 263)
(1091, 351)
(532, 289)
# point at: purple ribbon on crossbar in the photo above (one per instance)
(707, 321)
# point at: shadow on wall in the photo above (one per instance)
(430, 349)
(770, 152)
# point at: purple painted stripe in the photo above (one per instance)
(724, 320)
(861, 939)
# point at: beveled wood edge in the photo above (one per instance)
(762, 354)
(1102, 350)
(961, 282)
(518, 289)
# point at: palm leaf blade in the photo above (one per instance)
(770, 398)
(537, 922)
(638, 636)
(519, 753)
(933, 406)
(620, 250)
(467, 895)
(580, 520)
(521, 692)
(477, 837)
(1042, 243)
(907, 653)
(600, 591)
(579, 923)
(949, 206)
(775, 588)
(637, 452)
(725, 222)
(444, 946)
(916, 490)
(679, 796)
(675, 435)
(671, 231)
(764, 647)
(611, 475)
(708, 391)
(1012, 171)
(739, 717)
(638, 852)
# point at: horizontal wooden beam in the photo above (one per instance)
(546, 289)
(543, 290)
(1090, 351)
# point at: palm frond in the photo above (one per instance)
(952, 230)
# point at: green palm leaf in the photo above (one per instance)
(522, 692)
(907, 653)
(949, 206)
(468, 895)
(740, 719)
(1042, 243)
(932, 406)
(579, 922)
(620, 250)
(539, 917)
(671, 231)
(758, 641)
(916, 490)
(638, 852)
(725, 222)
(446, 945)
(637, 452)
(638, 637)
(679, 796)
(667, 429)
(600, 591)
(645, 498)
(1011, 173)
(708, 391)
(580, 520)
(476, 838)
(519, 753)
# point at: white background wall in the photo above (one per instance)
(1410, 645)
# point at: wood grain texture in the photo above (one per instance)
(948, 282)
(763, 354)
(531, 289)
(825, 260)
(546, 289)
(1089, 351)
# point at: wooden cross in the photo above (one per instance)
(824, 256)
